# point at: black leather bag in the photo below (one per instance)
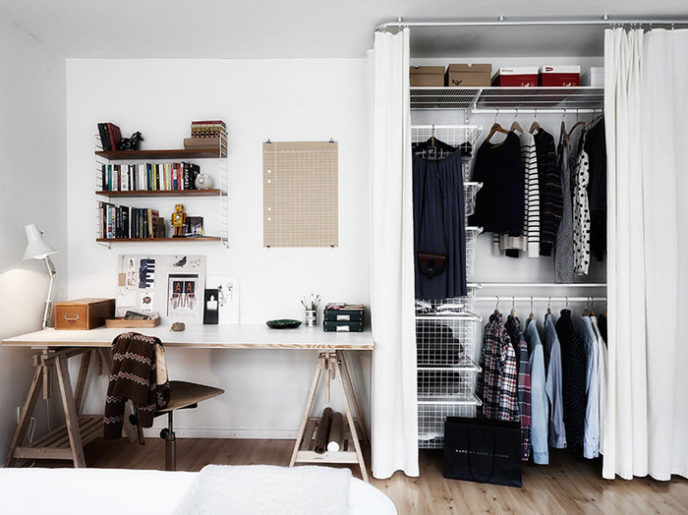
(482, 450)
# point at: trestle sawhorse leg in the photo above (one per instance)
(333, 365)
(67, 441)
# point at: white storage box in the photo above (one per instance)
(594, 77)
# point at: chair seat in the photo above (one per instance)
(183, 395)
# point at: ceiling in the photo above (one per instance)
(304, 28)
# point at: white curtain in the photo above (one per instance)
(646, 421)
(394, 424)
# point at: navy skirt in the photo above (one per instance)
(441, 182)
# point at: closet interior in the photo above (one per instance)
(510, 279)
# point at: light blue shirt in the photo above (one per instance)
(553, 385)
(591, 438)
(538, 395)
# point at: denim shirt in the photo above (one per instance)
(553, 385)
(539, 422)
(591, 441)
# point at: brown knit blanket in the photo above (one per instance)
(133, 378)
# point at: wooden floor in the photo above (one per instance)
(567, 485)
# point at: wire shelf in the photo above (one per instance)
(470, 190)
(504, 99)
(431, 418)
(472, 234)
(445, 341)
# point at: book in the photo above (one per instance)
(104, 140)
(214, 142)
(124, 217)
(193, 226)
(159, 230)
(114, 136)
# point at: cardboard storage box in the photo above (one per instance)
(560, 76)
(518, 77)
(427, 76)
(468, 75)
(83, 313)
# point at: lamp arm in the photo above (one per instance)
(49, 299)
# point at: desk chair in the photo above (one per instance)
(183, 395)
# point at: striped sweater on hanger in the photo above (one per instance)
(551, 203)
(530, 240)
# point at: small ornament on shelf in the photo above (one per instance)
(178, 220)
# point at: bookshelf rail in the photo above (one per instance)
(162, 193)
(156, 240)
(179, 153)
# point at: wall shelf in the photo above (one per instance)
(179, 153)
(194, 239)
(583, 99)
(162, 193)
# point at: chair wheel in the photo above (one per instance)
(164, 433)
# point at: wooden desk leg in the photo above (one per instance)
(352, 425)
(309, 406)
(81, 380)
(354, 400)
(71, 417)
(27, 410)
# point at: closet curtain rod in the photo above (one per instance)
(502, 21)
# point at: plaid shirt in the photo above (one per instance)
(498, 379)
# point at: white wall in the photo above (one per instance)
(32, 190)
(259, 99)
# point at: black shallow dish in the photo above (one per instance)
(284, 323)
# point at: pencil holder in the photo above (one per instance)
(311, 318)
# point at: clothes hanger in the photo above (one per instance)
(535, 126)
(532, 315)
(513, 308)
(515, 126)
(549, 306)
(496, 310)
(563, 134)
(581, 123)
(586, 311)
(592, 310)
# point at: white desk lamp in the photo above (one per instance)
(36, 248)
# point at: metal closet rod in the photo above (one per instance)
(539, 285)
(509, 298)
(516, 22)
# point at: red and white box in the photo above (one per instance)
(518, 77)
(560, 76)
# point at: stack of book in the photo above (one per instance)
(208, 134)
(110, 136)
(118, 222)
(149, 176)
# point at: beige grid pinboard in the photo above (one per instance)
(300, 194)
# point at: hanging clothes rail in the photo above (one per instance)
(515, 22)
(538, 285)
(509, 298)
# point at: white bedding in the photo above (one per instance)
(115, 491)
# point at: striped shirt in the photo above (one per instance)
(530, 240)
(549, 180)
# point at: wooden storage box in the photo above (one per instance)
(83, 313)
(125, 323)
(427, 76)
(469, 75)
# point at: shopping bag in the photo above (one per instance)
(482, 450)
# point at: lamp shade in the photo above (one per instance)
(36, 248)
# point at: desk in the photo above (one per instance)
(56, 347)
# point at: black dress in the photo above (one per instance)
(573, 365)
(499, 205)
(439, 224)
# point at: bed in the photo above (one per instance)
(152, 492)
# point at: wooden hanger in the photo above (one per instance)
(496, 128)
(516, 127)
(563, 134)
(549, 306)
(532, 315)
(496, 310)
(576, 125)
(512, 313)
(535, 127)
